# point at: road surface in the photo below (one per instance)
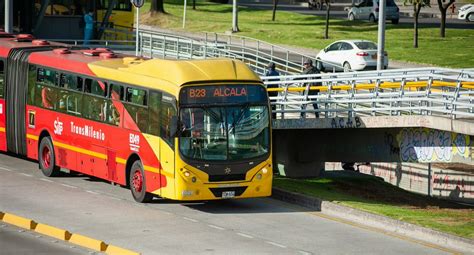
(97, 209)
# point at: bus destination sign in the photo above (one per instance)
(223, 94)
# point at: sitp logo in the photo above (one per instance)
(58, 127)
(134, 142)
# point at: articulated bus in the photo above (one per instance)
(177, 129)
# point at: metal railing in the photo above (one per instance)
(257, 54)
(422, 91)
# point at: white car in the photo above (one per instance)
(466, 12)
(369, 10)
(349, 55)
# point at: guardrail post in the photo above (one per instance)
(376, 95)
(351, 113)
(428, 93)
(177, 48)
(454, 101)
(284, 100)
(151, 46)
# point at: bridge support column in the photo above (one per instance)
(295, 157)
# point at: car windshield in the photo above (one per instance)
(224, 133)
(366, 45)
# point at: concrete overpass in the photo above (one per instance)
(404, 122)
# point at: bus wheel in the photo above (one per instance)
(138, 183)
(47, 159)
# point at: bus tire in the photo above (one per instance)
(47, 158)
(138, 183)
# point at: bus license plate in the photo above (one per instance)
(228, 194)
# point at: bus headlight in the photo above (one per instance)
(188, 175)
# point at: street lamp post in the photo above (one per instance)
(9, 16)
(381, 35)
(138, 4)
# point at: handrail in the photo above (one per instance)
(422, 91)
(256, 53)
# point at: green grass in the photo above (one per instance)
(456, 50)
(373, 195)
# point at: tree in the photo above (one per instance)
(275, 4)
(443, 6)
(235, 17)
(417, 5)
(157, 6)
(194, 4)
(328, 8)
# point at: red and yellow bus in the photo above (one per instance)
(178, 129)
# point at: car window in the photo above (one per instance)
(370, 3)
(366, 45)
(334, 47)
(346, 46)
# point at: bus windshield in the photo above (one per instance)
(224, 132)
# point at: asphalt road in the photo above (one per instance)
(14, 240)
(97, 209)
(425, 22)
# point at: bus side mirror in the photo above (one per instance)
(174, 126)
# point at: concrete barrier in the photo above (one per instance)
(88, 242)
(53, 232)
(64, 235)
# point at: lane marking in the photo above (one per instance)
(216, 227)
(69, 186)
(45, 180)
(245, 235)
(304, 252)
(29, 175)
(189, 219)
(275, 244)
(6, 169)
(92, 192)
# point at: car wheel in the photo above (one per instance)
(347, 67)
(470, 17)
(46, 158)
(394, 21)
(138, 183)
(351, 16)
(372, 18)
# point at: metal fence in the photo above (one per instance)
(257, 54)
(422, 91)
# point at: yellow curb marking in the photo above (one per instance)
(64, 235)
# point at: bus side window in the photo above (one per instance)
(47, 76)
(94, 107)
(154, 113)
(168, 110)
(49, 97)
(116, 92)
(31, 85)
(136, 96)
(70, 102)
(94, 87)
(2, 75)
(67, 81)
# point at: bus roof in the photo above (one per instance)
(166, 75)
(169, 75)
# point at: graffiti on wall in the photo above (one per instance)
(428, 145)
